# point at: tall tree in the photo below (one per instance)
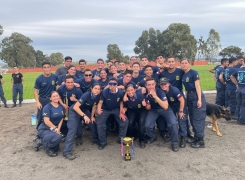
(1, 30)
(17, 50)
(178, 41)
(148, 44)
(56, 59)
(231, 51)
(113, 52)
(213, 45)
(40, 58)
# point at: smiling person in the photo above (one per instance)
(122, 67)
(157, 105)
(103, 79)
(86, 82)
(82, 65)
(111, 104)
(44, 85)
(85, 107)
(17, 86)
(134, 106)
(49, 129)
(196, 103)
(71, 70)
(100, 66)
(63, 69)
(114, 72)
(136, 77)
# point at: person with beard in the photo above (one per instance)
(82, 65)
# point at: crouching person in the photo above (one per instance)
(111, 104)
(49, 129)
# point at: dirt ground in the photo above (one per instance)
(223, 157)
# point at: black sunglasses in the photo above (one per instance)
(87, 75)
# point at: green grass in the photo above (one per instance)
(207, 83)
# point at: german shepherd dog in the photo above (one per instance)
(216, 112)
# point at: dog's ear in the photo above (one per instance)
(222, 109)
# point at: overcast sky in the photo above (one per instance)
(84, 29)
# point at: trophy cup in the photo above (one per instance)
(128, 141)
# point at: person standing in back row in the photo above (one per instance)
(64, 69)
(2, 80)
(17, 86)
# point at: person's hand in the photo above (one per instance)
(96, 77)
(39, 105)
(86, 119)
(93, 120)
(122, 117)
(143, 90)
(99, 111)
(65, 106)
(199, 104)
(125, 98)
(121, 87)
(181, 115)
(153, 93)
(143, 102)
(63, 83)
(77, 85)
(72, 98)
(123, 111)
(57, 131)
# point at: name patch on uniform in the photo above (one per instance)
(53, 82)
(187, 79)
(171, 99)
(118, 99)
(139, 105)
(177, 77)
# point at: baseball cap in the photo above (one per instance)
(163, 81)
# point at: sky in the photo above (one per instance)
(83, 29)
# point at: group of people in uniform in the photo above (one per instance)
(230, 86)
(17, 88)
(136, 99)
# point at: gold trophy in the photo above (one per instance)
(128, 141)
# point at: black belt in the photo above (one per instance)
(191, 92)
(17, 83)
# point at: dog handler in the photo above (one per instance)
(196, 103)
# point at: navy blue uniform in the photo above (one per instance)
(85, 86)
(175, 78)
(173, 96)
(62, 79)
(103, 83)
(120, 83)
(118, 77)
(138, 79)
(197, 115)
(136, 113)
(95, 72)
(110, 106)
(79, 74)
(142, 82)
(45, 85)
(87, 101)
(220, 87)
(49, 138)
(17, 87)
(230, 90)
(1, 91)
(155, 112)
(240, 94)
(238, 66)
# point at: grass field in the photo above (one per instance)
(207, 83)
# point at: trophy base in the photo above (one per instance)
(127, 157)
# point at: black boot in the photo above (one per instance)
(6, 106)
(182, 142)
(20, 104)
(198, 144)
(192, 140)
(189, 134)
(14, 105)
(79, 141)
(51, 153)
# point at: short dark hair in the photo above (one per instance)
(232, 59)
(100, 60)
(149, 79)
(71, 66)
(113, 79)
(82, 60)
(185, 59)
(69, 77)
(240, 57)
(128, 72)
(121, 62)
(223, 60)
(143, 57)
(133, 57)
(171, 57)
(136, 63)
(160, 55)
(67, 58)
(44, 63)
(15, 66)
(147, 66)
(87, 70)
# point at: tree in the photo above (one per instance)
(113, 52)
(56, 59)
(178, 41)
(148, 44)
(17, 50)
(40, 58)
(1, 30)
(213, 45)
(231, 51)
